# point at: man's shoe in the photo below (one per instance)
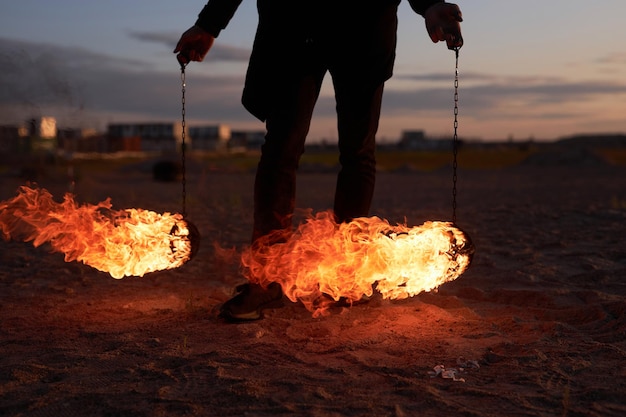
(252, 299)
(325, 301)
(345, 302)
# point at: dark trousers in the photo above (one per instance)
(358, 110)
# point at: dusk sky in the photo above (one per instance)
(541, 69)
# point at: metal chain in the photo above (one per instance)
(455, 140)
(183, 144)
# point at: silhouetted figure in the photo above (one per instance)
(296, 44)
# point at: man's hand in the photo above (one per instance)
(442, 23)
(193, 45)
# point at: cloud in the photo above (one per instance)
(615, 58)
(484, 94)
(38, 75)
(219, 52)
(440, 76)
(20, 54)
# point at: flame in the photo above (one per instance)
(129, 242)
(324, 261)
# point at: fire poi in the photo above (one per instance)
(130, 242)
(324, 261)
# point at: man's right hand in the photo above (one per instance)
(193, 45)
(443, 24)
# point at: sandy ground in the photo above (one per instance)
(536, 327)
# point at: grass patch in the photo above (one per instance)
(616, 156)
(387, 160)
(466, 158)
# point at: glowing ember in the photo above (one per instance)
(323, 260)
(122, 243)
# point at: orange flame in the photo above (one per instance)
(348, 260)
(129, 242)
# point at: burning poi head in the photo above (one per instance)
(129, 242)
(323, 260)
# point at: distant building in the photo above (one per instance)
(210, 137)
(416, 140)
(43, 127)
(412, 139)
(37, 134)
(247, 139)
(81, 140)
(159, 136)
(42, 132)
(14, 139)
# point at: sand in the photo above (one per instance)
(535, 327)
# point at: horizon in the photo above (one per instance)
(324, 141)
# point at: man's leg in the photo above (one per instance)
(358, 113)
(275, 181)
(275, 184)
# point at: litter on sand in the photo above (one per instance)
(453, 373)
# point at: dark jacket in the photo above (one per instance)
(357, 39)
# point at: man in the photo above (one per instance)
(297, 42)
